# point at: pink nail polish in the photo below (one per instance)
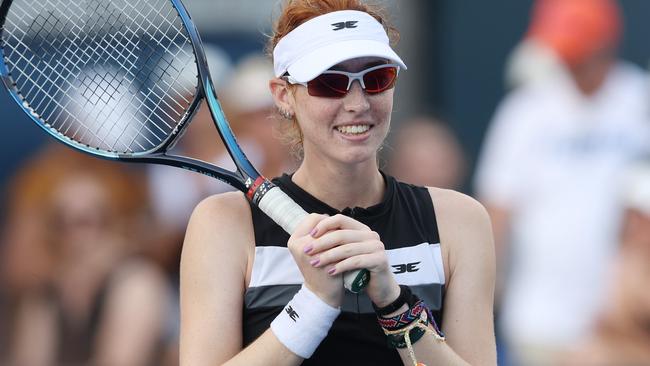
(331, 270)
(314, 262)
(313, 232)
(308, 248)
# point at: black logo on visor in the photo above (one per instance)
(343, 25)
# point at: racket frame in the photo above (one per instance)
(242, 179)
(246, 178)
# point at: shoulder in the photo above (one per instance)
(219, 222)
(527, 97)
(454, 206)
(520, 112)
(138, 297)
(627, 89)
(138, 269)
(629, 73)
(138, 281)
(222, 213)
(224, 204)
(464, 226)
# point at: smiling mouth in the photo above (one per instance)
(353, 129)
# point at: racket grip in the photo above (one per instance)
(287, 213)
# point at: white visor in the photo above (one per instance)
(329, 39)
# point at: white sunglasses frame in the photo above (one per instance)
(352, 76)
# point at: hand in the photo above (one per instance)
(328, 288)
(342, 244)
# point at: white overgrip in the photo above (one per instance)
(288, 214)
(282, 209)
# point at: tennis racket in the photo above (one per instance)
(121, 80)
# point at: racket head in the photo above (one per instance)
(118, 79)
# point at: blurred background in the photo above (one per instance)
(539, 109)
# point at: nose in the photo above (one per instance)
(356, 100)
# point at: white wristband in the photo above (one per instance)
(304, 322)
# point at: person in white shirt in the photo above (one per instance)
(549, 174)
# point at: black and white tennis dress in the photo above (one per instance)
(405, 221)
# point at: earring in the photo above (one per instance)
(285, 114)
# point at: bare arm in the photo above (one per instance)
(33, 341)
(132, 323)
(500, 216)
(468, 316)
(214, 267)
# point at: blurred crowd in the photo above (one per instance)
(89, 249)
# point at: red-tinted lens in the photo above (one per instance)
(380, 80)
(328, 85)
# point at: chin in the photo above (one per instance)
(358, 155)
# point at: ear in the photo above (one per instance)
(282, 95)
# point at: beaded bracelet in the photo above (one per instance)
(405, 297)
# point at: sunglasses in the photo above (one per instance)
(336, 84)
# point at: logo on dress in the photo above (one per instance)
(406, 267)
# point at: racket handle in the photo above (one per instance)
(286, 213)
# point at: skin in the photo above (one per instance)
(213, 284)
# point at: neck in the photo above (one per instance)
(360, 185)
(590, 76)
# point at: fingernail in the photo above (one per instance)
(314, 262)
(331, 270)
(313, 232)
(308, 248)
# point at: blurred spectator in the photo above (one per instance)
(622, 334)
(248, 105)
(549, 174)
(252, 111)
(175, 192)
(81, 287)
(424, 151)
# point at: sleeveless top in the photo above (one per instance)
(406, 223)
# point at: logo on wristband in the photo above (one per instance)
(292, 313)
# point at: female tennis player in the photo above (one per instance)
(253, 295)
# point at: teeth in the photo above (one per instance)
(353, 129)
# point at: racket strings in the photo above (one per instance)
(118, 76)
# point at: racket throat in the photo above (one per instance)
(257, 188)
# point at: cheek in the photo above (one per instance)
(382, 108)
(310, 109)
(382, 104)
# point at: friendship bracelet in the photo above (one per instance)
(304, 323)
(402, 320)
(407, 328)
